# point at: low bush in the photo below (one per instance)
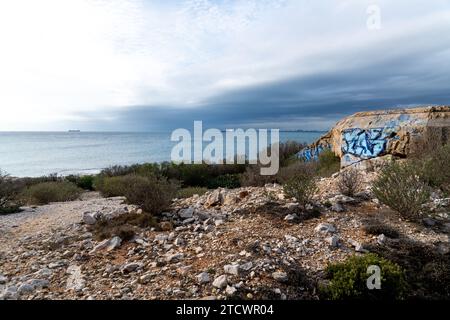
(401, 188)
(9, 209)
(302, 187)
(435, 168)
(189, 192)
(350, 182)
(298, 167)
(47, 192)
(151, 193)
(123, 226)
(229, 181)
(328, 163)
(427, 271)
(83, 182)
(110, 186)
(376, 227)
(252, 177)
(30, 181)
(288, 151)
(9, 189)
(348, 280)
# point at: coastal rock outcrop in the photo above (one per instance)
(390, 133)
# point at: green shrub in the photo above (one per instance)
(83, 182)
(151, 193)
(328, 163)
(301, 187)
(376, 227)
(47, 192)
(295, 168)
(427, 271)
(229, 181)
(400, 187)
(288, 152)
(9, 189)
(9, 209)
(435, 168)
(190, 191)
(110, 186)
(348, 280)
(349, 182)
(190, 175)
(253, 178)
(53, 177)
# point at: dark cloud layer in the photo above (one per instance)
(402, 71)
(313, 102)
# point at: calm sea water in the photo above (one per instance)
(40, 153)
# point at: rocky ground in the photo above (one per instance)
(246, 243)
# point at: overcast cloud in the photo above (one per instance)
(158, 65)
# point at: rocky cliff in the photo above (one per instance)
(371, 135)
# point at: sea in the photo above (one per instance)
(32, 154)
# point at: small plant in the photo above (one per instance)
(400, 187)
(191, 191)
(151, 193)
(302, 187)
(253, 178)
(427, 271)
(349, 182)
(83, 182)
(376, 227)
(348, 280)
(229, 181)
(46, 192)
(9, 189)
(270, 195)
(288, 151)
(435, 168)
(295, 168)
(328, 163)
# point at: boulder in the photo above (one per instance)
(291, 218)
(230, 291)
(90, 218)
(130, 267)
(186, 213)
(246, 266)
(173, 257)
(365, 137)
(325, 227)
(214, 199)
(232, 269)
(220, 282)
(75, 281)
(333, 241)
(114, 243)
(203, 278)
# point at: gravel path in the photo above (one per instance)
(50, 217)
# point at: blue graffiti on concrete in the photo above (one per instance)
(311, 153)
(366, 143)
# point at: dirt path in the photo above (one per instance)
(51, 217)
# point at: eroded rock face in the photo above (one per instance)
(391, 133)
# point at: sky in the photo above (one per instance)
(135, 65)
